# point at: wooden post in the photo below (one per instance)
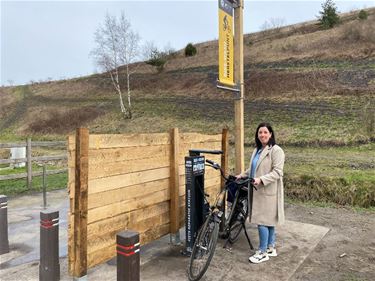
(239, 80)
(80, 202)
(224, 164)
(174, 188)
(29, 164)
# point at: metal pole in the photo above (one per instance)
(49, 266)
(239, 80)
(44, 188)
(128, 257)
(29, 164)
(4, 242)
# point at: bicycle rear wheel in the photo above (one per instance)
(203, 249)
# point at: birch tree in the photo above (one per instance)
(117, 45)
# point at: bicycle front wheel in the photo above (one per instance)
(203, 249)
(238, 218)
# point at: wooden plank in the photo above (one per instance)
(154, 233)
(71, 188)
(71, 185)
(112, 210)
(13, 144)
(38, 158)
(101, 170)
(184, 148)
(71, 142)
(71, 182)
(129, 140)
(174, 182)
(122, 221)
(80, 203)
(71, 253)
(126, 193)
(105, 254)
(13, 161)
(49, 143)
(102, 184)
(110, 155)
(49, 158)
(196, 137)
(104, 240)
(112, 141)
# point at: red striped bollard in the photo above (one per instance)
(49, 266)
(128, 256)
(4, 242)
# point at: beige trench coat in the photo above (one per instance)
(268, 201)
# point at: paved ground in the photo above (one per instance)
(160, 261)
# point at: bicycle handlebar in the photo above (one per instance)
(231, 178)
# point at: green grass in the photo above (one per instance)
(322, 204)
(327, 149)
(19, 186)
(343, 175)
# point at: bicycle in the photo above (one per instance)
(206, 240)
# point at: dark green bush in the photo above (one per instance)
(328, 16)
(190, 50)
(362, 15)
(157, 59)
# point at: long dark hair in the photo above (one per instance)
(272, 140)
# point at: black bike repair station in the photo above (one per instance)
(195, 207)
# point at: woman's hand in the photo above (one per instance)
(257, 181)
(238, 177)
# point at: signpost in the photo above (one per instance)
(231, 57)
(226, 76)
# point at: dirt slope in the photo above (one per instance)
(294, 63)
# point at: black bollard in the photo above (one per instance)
(49, 266)
(4, 242)
(128, 256)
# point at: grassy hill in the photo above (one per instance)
(317, 87)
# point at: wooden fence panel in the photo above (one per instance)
(135, 181)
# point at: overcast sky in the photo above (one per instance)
(53, 39)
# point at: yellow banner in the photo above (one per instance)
(226, 43)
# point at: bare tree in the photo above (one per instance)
(117, 45)
(273, 23)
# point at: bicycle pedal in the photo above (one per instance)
(220, 214)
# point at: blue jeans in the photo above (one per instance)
(267, 237)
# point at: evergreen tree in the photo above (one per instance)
(328, 16)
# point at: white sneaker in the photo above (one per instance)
(259, 257)
(271, 251)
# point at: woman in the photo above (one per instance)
(267, 210)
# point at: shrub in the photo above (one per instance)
(328, 16)
(362, 15)
(157, 59)
(190, 50)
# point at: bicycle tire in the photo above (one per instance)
(230, 216)
(239, 217)
(204, 247)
